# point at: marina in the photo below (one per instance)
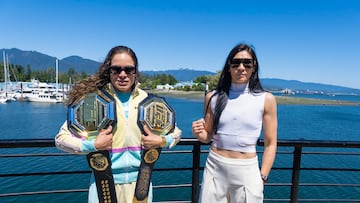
(33, 91)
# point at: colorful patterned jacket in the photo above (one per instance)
(126, 148)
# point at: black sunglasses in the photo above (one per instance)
(247, 63)
(119, 69)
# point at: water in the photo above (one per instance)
(338, 97)
(34, 120)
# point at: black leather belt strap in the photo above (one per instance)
(159, 117)
(148, 159)
(100, 163)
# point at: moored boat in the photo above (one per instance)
(45, 97)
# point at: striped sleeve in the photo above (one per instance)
(65, 141)
(173, 138)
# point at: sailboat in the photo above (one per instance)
(4, 96)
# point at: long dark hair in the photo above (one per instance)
(102, 77)
(224, 83)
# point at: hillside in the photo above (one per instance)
(40, 61)
(294, 85)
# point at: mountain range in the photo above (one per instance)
(40, 61)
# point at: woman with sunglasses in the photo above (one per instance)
(118, 75)
(235, 114)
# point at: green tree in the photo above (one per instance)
(63, 78)
(51, 75)
(19, 71)
(214, 80)
(83, 75)
(73, 75)
(2, 78)
(28, 73)
(150, 82)
(202, 80)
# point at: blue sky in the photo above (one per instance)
(306, 40)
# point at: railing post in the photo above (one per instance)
(195, 173)
(295, 174)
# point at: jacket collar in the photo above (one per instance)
(135, 92)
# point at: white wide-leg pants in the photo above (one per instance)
(228, 180)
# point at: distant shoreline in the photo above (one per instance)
(198, 95)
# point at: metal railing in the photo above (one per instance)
(197, 150)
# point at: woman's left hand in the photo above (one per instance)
(151, 140)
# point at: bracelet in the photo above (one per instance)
(264, 178)
(163, 142)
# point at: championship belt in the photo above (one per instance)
(86, 118)
(157, 114)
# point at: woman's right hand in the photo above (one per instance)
(198, 127)
(104, 139)
(200, 132)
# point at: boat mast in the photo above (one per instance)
(57, 75)
(5, 73)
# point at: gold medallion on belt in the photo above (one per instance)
(98, 162)
(151, 156)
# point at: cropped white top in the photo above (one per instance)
(240, 123)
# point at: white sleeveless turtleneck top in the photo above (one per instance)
(240, 123)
